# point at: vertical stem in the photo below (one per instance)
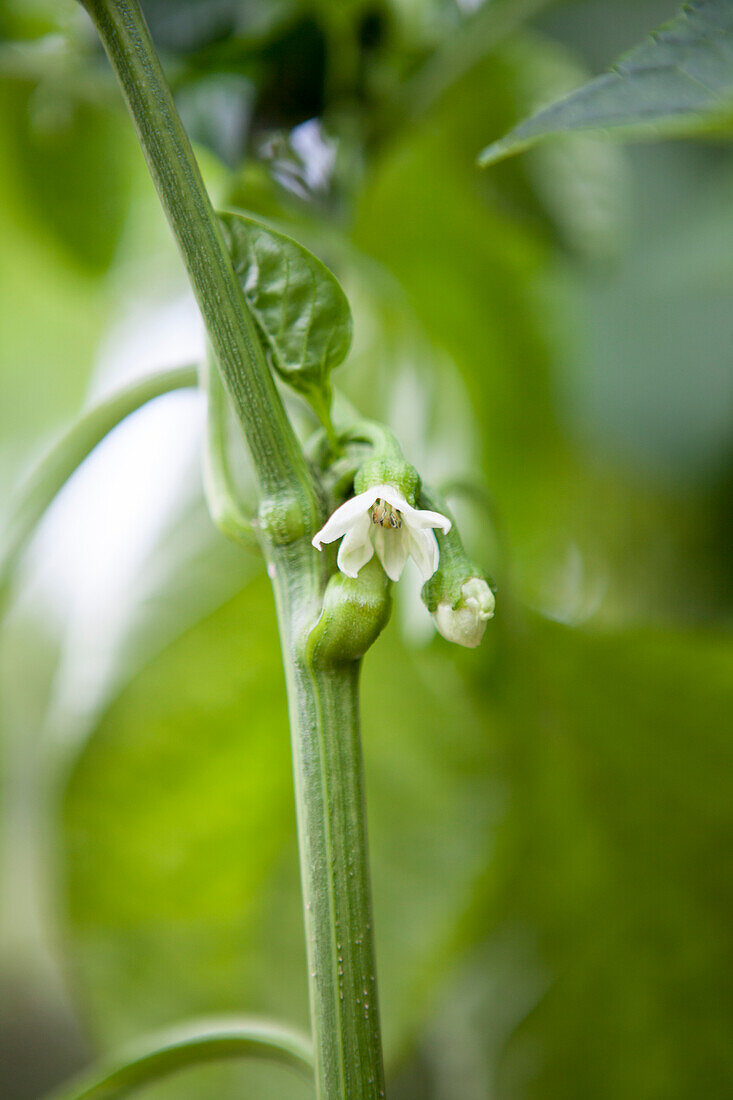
(334, 861)
(323, 702)
(277, 456)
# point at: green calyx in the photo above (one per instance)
(388, 469)
(446, 586)
(355, 611)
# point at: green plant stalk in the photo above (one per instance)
(327, 766)
(58, 464)
(190, 1045)
(323, 701)
(278, 459)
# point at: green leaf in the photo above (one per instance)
(580, 180)
(300, 309)
(74, 166)
(678, 82)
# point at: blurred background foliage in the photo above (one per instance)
(550, 815)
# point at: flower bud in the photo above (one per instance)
(465, 622)
(355, 611)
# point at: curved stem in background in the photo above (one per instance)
(220, 489)
(57, 465)
(191, 1045)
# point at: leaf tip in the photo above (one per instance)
(505, 147)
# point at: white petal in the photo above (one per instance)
(392, 496)
(459, 625)
(356, 549)
(478, 597)
(420, 518)
(424, 550)
(342, 519)
(392, 549)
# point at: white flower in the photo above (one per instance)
(466, 623)
(381, 519)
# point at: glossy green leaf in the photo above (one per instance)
(300, 308)
(679, 81)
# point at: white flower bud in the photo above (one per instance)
(466, 622)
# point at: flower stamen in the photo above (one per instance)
(385, 515)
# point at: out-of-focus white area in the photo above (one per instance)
(85, 569)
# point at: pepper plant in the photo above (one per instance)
(278, 323)
(273, 312)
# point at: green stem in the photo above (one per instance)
(58, 464)
(192, 1045)
(323, 702)
(219, 486)
(327, 765)
(279, 463)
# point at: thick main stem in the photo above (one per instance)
(276, 453)
(323, 702)
(327, 765)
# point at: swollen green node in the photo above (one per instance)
(281, 519)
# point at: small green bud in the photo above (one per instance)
(464, 621)
(355, 611)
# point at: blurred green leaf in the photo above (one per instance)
(73, 159)
(580, 180)
(185, 26)
(182, 883)
(678, 82)
(663, 308)
(51, 315)
(610, 886)
(301, 311)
